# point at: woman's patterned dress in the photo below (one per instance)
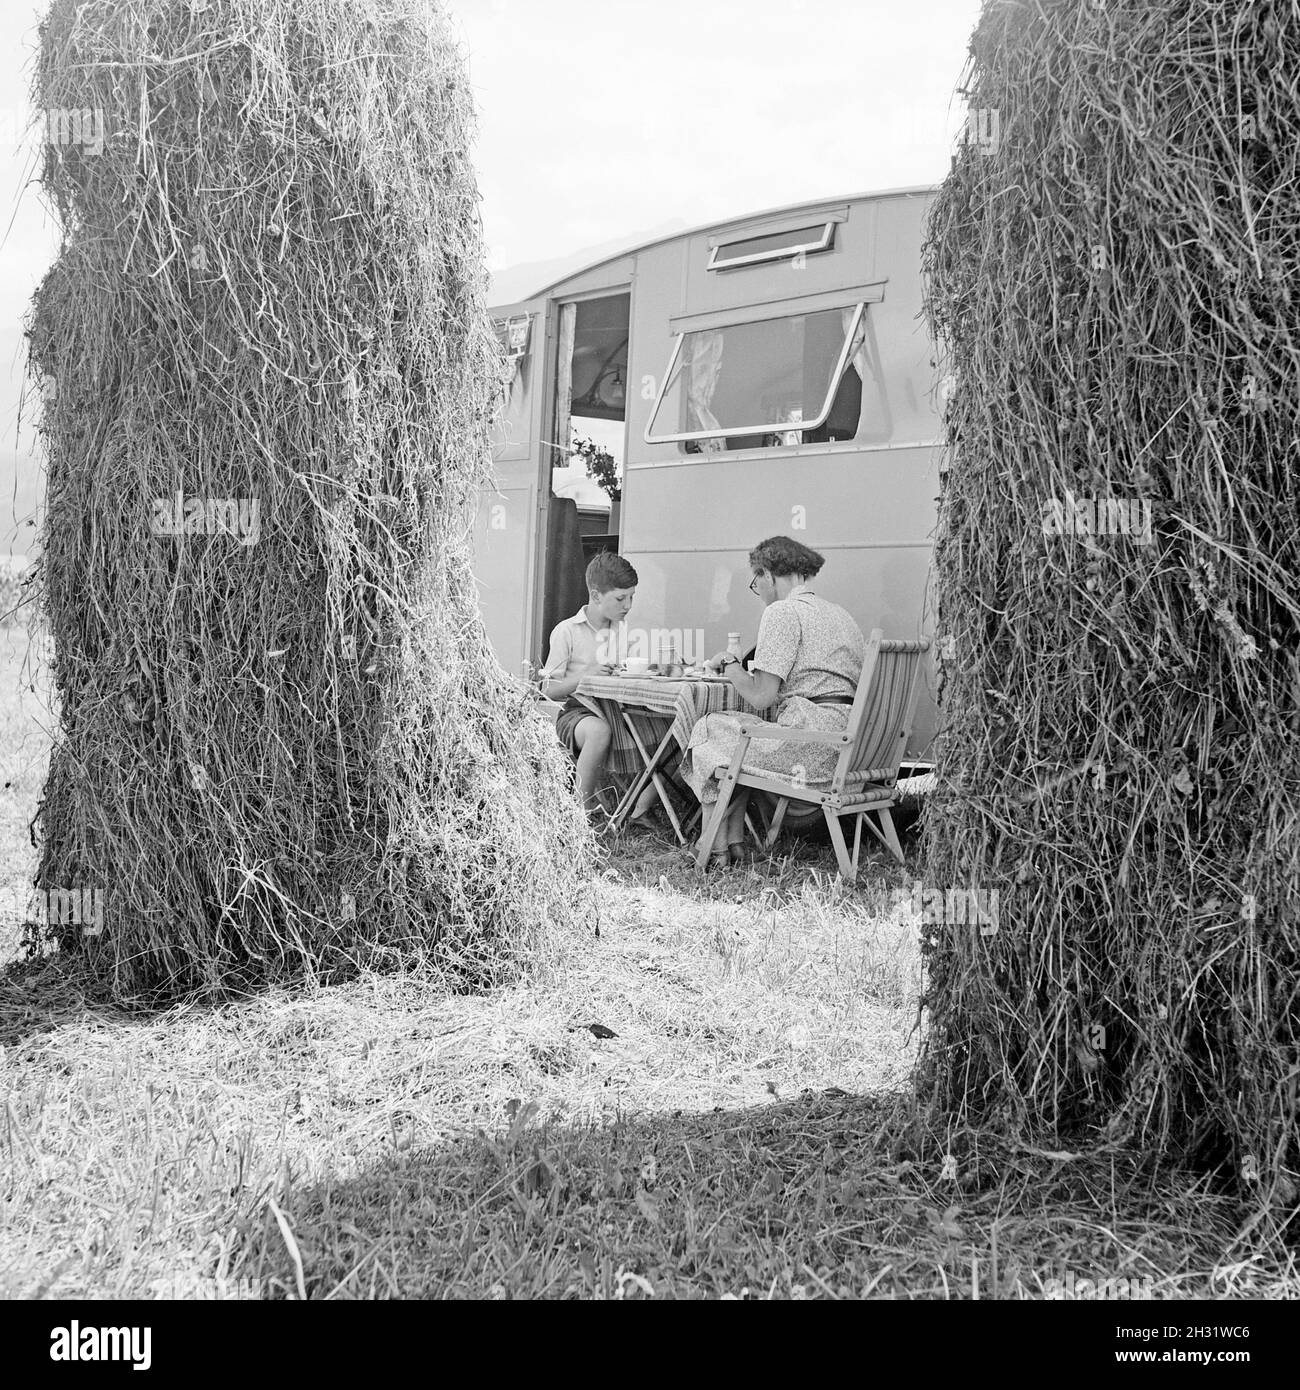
(816, 648)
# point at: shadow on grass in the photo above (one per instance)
(684, 1205)
(820, 1197)
(52, 989)
(39, 995)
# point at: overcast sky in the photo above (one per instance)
(601, 117)
(606, 119)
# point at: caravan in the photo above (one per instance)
(762, 376)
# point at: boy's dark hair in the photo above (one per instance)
(780, 556)
(609, 571)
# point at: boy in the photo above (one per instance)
(590, 642)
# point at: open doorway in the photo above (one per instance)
(591, 412)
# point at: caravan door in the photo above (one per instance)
(505, 531)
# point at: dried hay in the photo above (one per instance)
(285, 740)
(1111, 269)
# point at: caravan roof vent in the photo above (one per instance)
(774, 246)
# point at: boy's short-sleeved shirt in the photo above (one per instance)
(576, 646)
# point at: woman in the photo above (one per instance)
(806, 666)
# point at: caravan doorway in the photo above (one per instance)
(590, 405)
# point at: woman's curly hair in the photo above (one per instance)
(779, 556)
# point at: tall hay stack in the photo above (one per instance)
(291, 746)
(1112, 274)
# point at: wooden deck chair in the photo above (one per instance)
(871, 748)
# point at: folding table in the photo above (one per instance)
(666, 708)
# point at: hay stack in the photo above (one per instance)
(1112, 270)
(285, 740)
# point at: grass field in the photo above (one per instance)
(742, 1134)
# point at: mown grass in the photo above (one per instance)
(744, 1132)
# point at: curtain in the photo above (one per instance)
(858, 352)
(564, 385)
(701, 382)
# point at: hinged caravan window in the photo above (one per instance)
(773, 247)
(793, 379)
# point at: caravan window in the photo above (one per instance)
(771, 382)
(774, 246)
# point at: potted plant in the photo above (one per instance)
(603, 470)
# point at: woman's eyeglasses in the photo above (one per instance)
(752, 582)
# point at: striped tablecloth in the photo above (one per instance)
(679, 701)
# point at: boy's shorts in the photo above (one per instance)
(572, 713)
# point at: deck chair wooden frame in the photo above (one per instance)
(871, 749)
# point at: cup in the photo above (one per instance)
(636, 665)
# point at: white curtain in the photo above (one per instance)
(702, 382)
(858, 352)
